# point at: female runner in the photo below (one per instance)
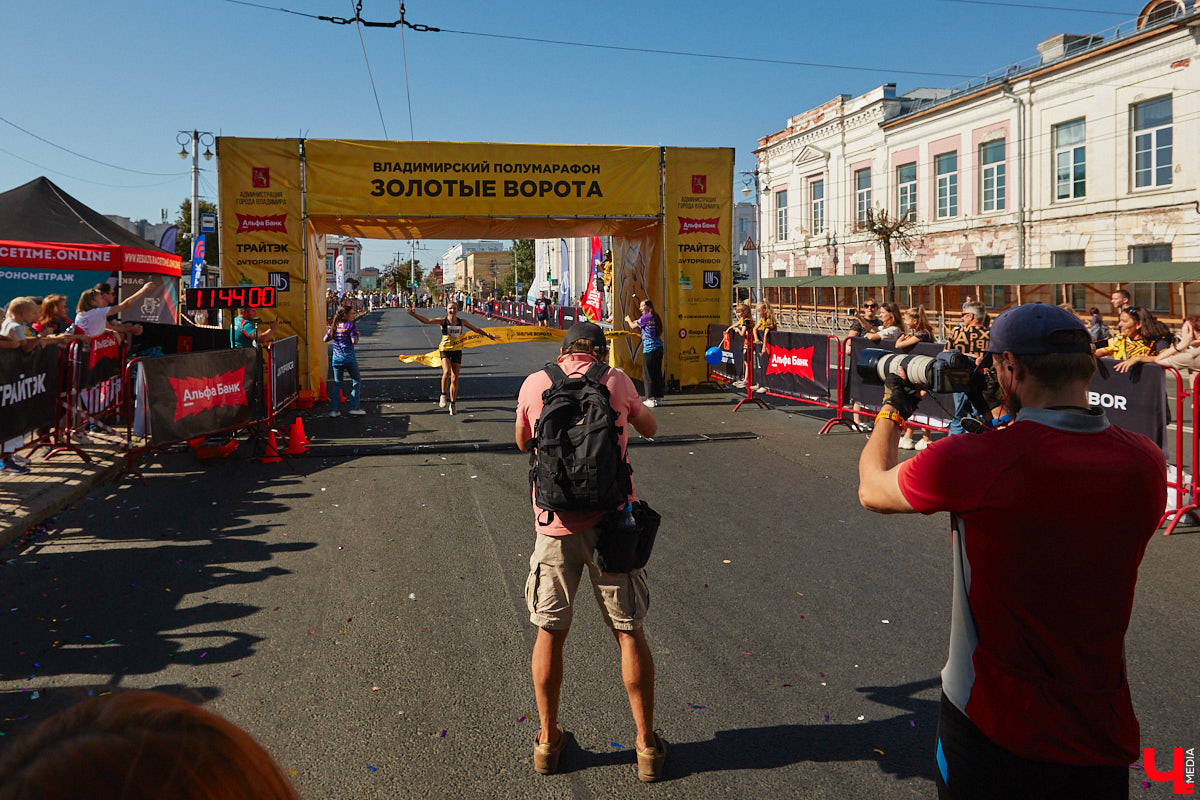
(450, 349)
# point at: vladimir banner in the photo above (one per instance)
(359, 180)
(511, 335)
(196, 394)
(28, 390)
(263, 238)
(699, 267)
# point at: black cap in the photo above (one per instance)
(590, 332)
(1038, 329)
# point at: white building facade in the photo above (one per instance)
(351, 251)
(1084, 156)
(453, 255)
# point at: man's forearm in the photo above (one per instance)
(878, 458)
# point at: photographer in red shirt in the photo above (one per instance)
(1035, 699)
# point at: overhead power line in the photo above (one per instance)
(89, 158)
(1038, 7)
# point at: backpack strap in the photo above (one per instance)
(596, 371)
(555, 372)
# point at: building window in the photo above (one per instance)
(906, 180)
(1069, 161)
(991, 175)
(781, 215)
(1152, 143)
(862, 269)
(906, 267)
(816, 198)
(862, 195)
(946, 170)
(993, 296)
(330, 264)
(1154, 296)
(1067, 258)
(814, 272)
(742, 228)
(781, 273)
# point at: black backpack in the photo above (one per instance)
(575, 460)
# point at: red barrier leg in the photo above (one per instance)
(750, 396)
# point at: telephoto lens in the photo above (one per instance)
(874, 366)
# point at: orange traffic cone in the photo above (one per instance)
(298, 425)
(323, 394)
(272, 454)
(297, 444)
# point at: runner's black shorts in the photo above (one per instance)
(453, 356)
(972, 767)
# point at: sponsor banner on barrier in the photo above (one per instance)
(28, 390)
(195, 394)
(361, 179)
(1134, 400)
(101, 360)
(795, 364)
(285, 356)
(733, 353)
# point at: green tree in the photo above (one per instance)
(524, 261)
(891, 231)
(183, 242)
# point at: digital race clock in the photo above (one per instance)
(231, 297)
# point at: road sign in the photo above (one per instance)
(208, 223)
(520, 286)
(749, 245)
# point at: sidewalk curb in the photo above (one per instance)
(13, 527)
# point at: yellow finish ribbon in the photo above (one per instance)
(511, 334)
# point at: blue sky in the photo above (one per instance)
(115, 81)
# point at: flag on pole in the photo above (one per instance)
(339, 273)
(564, 271)
(591, 297)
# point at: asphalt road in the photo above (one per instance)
(359, 609)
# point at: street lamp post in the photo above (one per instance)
(195, 138)
(747, 178)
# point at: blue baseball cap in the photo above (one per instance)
(1038, 329)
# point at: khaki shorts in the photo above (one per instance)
(555, 568)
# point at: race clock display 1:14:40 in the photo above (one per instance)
(228, 297)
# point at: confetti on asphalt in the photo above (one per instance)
(886, 621)
(374, 688)
(442, 735)
(912, 723)
(861, 717)
(827, 718)
(727, 561)
(1145, 784)
(202, 655)
(616, 744)
(784, 685)
(412, 595)
(293, 772)
(695, 707)
(746, 653)
(523, 718)
(373, 769)
(877, 750)
(236, 675)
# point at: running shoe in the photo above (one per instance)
(921, 445)
(452, 408)
(358, 412)
(335, 413)
(83, 438)
(20, 461)
(13, 468)
(442, 401)
(649, 402)
(650, 762)
(907, 444)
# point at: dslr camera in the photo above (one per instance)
(948, 371)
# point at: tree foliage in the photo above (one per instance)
(891, 231)
(524, 261)
(183, 242)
